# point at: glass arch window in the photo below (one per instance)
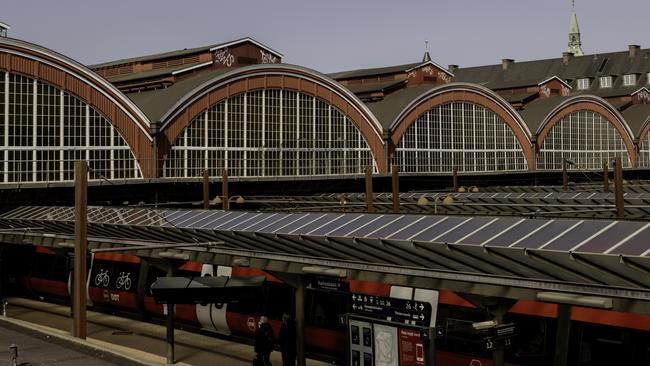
(45, 130)
(270, 133)
(465, 135)
(585, 138)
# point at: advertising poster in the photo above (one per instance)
(411, 348)
(386, 345)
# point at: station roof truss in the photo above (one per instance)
(586, 257)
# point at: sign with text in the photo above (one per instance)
(328, 283)
(406, 311)
(411, 348)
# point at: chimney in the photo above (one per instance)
(566, 57)
(634, 48)
(452, 68)
(506, 62)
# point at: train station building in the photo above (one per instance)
(235, 106)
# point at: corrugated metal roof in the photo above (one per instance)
(155, 103)
(178, 53)
(150, 74)
(636, 116)
(377, 71)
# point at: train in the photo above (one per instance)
(119, 283)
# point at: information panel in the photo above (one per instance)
(360, 343)
(386, 345)
(411, 348)
(400, 310)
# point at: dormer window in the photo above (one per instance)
(629, 79)
(583, 84)
(605, 81)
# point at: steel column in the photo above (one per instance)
(300, 322)
(224, 190)
(395, 184)
(605, 176)
(80, 249)
(565, 176)
(369, 194)
(454, 173)
(170, 325)
(618, 188)
(206, 189)
(562, 335)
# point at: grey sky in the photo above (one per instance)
(331, 35)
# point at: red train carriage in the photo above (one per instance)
(120, 282)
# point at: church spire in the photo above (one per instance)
(427, 56)
(575, 46)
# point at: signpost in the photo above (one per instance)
(500, 336)
(392, 309)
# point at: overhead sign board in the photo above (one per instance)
(400, 310)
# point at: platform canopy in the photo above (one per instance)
(501, 254)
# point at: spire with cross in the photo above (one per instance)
(426, 57)
(575, 46)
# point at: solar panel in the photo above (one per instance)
(300, 221)
(241, 223)
(635, 245)
(515, 232)
(576, 235)
(262, 222)
(610, 237)
(417, 226)
(439, 228)
(320, 222)
(465, 229)
(338, 221)
(487, 233)
(545, 234)
(370, 226)
(393, 226)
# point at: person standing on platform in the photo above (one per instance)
(287, 339)
(264, 341)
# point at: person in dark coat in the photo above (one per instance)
(264, 341)
(287, 339)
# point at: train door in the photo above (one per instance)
(213, 316)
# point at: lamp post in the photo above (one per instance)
(217, 200)
(446, 200)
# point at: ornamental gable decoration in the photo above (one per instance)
(428, 73)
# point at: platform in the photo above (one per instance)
(44, 331)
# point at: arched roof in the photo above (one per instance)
(70, 67)
(462, 92)
(566, 106)
(66, 74)
(267, 76)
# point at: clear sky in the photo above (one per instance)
(331, 35)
